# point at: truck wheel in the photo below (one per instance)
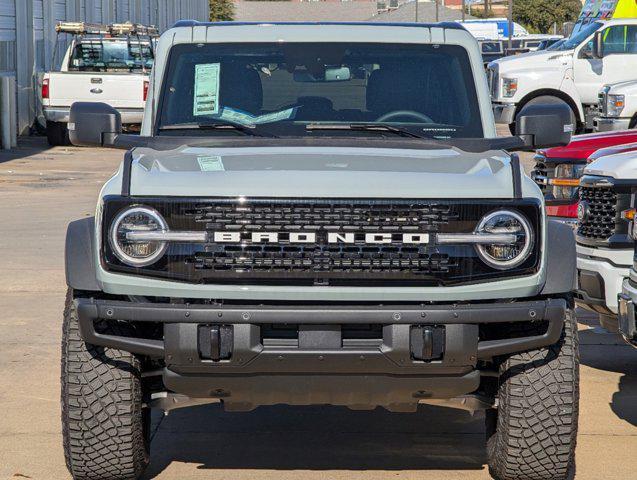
(549, 99)
(106, 431)
(532, 434)
(57, 134)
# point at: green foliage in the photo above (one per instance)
(221, 10)
(540, 15)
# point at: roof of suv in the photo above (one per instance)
(195, 23)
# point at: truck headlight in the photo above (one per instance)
(615, 105)
(133, 252)
(504, 256)
(509, 87)
(566, 181)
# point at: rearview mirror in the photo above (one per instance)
(94, 124)
(545, 125)
(330, 74)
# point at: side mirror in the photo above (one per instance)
(545, 125)
(598, 45)
(93, 124)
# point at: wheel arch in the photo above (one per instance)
(79, 255)
(551, 93)
(561, 259)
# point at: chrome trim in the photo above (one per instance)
(167, 236)
(476, 238)
(524, 254)
(117, 250)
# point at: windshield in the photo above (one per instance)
(298, 88)
(578, 36)
(96, 55)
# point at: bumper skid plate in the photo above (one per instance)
(409, 353)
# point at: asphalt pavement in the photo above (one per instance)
(43, 189)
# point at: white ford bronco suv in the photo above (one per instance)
(320, 214)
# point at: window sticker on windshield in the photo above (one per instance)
(243, 118)
(277, 116)
(206, 101)
(211, 164)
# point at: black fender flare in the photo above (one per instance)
(79, 255)
(561, 260)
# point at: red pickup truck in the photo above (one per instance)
(558, 170)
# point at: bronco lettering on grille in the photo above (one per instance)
(331, 238)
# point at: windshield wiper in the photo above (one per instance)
(245, 129)
(364, 127)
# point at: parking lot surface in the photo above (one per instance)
(42, 190)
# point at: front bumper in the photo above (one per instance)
(626, 314)
(600, 274)
(61, 114)
(321, 365)
(606, 124)
(504, 113)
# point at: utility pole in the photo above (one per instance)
(437, 12)
(417, 10)
(510, 24)
(464, 17)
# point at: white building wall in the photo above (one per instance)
(28, 27)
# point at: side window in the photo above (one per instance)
(620, 39)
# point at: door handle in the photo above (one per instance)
(96, 90)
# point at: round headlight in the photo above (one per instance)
(510, 254)
(135, 252)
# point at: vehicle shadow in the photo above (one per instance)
(319, 438)
(27, 146)
(604, 351)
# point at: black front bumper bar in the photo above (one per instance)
(181, 321)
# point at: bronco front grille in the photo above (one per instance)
(320, 261)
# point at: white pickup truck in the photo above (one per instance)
(602, 50)
(108, 64)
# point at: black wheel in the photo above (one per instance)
(57, 134)
(532, 434)
(106, 430)
(551, 100)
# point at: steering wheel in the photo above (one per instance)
(404, 113)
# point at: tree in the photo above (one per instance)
(221, 10)
(540, 15)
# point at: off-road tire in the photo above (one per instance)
(106, 431)
(533, 434)
(57, 134)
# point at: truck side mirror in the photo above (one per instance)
(545, 125)
(598, 45)
(94, 124)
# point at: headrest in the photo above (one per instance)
(240, 88)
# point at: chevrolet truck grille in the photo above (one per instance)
(602, 200)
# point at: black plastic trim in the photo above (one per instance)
(79, 255)
(552, 310)
(126, 173)
(517, 176)
(561, 265)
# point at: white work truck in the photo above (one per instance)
(617, 107)
(108, 64)
(602, 50)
